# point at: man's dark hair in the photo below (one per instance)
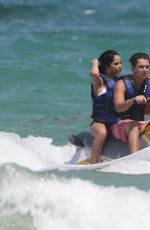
(135, 57)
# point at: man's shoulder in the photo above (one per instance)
(123, 78)
(126, 76)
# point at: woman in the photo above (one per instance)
(104, 72)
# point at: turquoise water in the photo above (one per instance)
(45, 53)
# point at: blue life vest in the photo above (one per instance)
(136, 111)
(103, 106)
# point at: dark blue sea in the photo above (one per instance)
(45, 52)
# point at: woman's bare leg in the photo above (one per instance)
(100, 133)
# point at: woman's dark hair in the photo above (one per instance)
(105, 59)
(135, 57)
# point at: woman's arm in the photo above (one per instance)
(94, 68)
(96, 79)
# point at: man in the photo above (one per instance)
(130, 98)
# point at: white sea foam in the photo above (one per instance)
(48, 201)
(32, 152)
(71, 204)
(89, 12)
(38, 153)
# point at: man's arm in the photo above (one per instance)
(121, 105)
(147, 109)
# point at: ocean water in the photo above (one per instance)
(45, 52)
